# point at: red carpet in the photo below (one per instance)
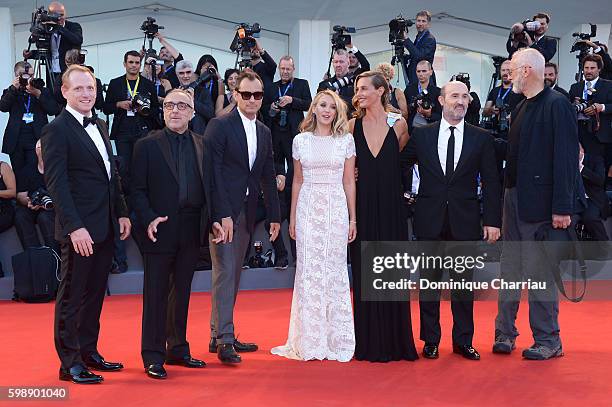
(582, 377)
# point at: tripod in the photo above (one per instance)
(243, 60)
(398, 58)
(42, 58)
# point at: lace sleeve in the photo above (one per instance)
(350, 146)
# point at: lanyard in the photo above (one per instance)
(27, 106)
(419, 37)
(420, 88)
(131, 92)
(168, 69)
(210, 87)
(286, 90)
(505, 94)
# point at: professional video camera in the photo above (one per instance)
(582, 47)
(259, 260)
(150, 28)
(40, 197)
(339, 39)
(528, 27)
(335, 84)
(422, 99)
(204, 77)
(141, 105)
(463, 77)
(243, 43)
(42, 27)
(398, 28)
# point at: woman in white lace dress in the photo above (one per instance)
(322, 221)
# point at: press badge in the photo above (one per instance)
(131, 113)
(28, 118)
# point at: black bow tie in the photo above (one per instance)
(89, 120)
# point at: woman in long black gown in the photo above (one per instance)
(383, 329)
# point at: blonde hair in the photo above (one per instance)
(386, 69)
(76, 68)
(340, 123)
(378, 81)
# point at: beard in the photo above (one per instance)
(549, 82)
(517, 85)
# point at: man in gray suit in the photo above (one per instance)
(239, 157)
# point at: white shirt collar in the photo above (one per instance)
(77, 115)
(444, 125)
(593, 82)
(245, 119)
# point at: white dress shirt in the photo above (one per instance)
(443, 137)
(96, 137)
(250, 128)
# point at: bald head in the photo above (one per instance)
(454, 98)
(527, 72)
(56, 7)
(453, 86)
(424, 72)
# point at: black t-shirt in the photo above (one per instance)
(509, 97)
(31, 179)
(514, 136)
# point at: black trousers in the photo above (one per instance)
(79, 301)
(25, 223)
(167, 288)
(462, 303)
(593, 222)
(24, 155)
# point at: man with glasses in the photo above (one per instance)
(171, 198)
(239, 154)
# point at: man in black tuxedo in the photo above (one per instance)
(595, 122)
(543, 190)
(424, 86)
(423, 48)
(519, 38)
(598, 206)
(239, 153)
(171, 198)
(89, 211)
(128, 124)
(451, 154)
(28, 108)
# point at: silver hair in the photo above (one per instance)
(183, 64)
(531, 57)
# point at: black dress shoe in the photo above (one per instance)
(430, 351)
(244, 347)
(156, 371)
(187, 361)
(212, 345)
(79, 375)
(467, 351)
(97, 362)
(281, 263)
(227, 354)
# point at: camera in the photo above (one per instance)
(279, 111)
(141, 104)
(580, 45)
(398, 27)
(42, 27)
(581, 104)
(463, 77)
(204, 77)
(335, 84)
(150, 28)
(40, 197)
(422, 99)
(259, 260)
(502, 122)
(25, 78)
(339, 39)
(244, 39)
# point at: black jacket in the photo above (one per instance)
(300, 92)
(412, 91)
(204, 110)
(603, 95)
(117, 92)
(77, 180)
(562, 91)
(424, 49)
(71, 37)
(546, 45)
(548, 181)
(226, 155)
(458, 197)
(155, 191)
(266, 69)
(594, 179)
(14, 102)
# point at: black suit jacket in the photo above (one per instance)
(562, 91)
(424, 49)
(71, 37)
(548, 181)
(300, 92)
(77, 180)
(226, 155)
(117, 92)
(436, 112)
(14, 102)
(603, 95)
(155, 191)
(457, 197)
(594, 179)
(204, 110)
(547, 47)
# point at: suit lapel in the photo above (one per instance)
(466, 148)
(164, 146)
(241, 136)
(103, 129)
(84, 138)
(432, 138)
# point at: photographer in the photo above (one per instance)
(551, 72)
(422, 98)
(472, 115)
(358, 63)
(68, 35)
(214, 85)
(28, 106)
(598, 206)
(592, 98)
(203, 103)
(531, 34)
(130, 121)
(171, 57)
(602, 50)
(342, 81)
(75, 56)
(35, 207)
(264, 66)
(423, 48)
(501, 101)
(226, 103)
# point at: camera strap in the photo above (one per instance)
(209, 87)
(131, 92)
(505, 94)
(286, 90)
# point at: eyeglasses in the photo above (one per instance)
(180, 105)
(247, 95)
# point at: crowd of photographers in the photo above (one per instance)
(135, 101)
